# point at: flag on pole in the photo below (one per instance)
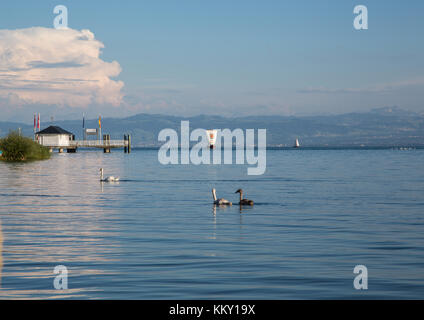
(100, 122)
(35, 123)
(83, 121)
(38, 122)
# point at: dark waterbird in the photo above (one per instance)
(246, 202)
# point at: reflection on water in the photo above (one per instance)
(53, 217)
(1, 252)
(317, 214)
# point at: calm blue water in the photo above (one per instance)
(156, 234)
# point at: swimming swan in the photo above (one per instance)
(244, 201)
(220, 201)
(108, 179)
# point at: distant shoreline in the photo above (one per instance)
(404, 148)
(377, 129)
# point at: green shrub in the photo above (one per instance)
(18, 148)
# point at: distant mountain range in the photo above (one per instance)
(389, 126)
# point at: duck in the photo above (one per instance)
(108, 179)
(246, 202)
(220, 201)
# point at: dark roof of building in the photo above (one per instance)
(54, 130)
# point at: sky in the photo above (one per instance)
(229, 58)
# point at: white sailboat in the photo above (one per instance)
(212, 137)
(296, 143)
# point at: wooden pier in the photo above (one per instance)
(106, 145)
(54, 137)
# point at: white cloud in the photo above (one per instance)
(56, 67)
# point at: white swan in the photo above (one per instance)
(108, 179)
(220, 201)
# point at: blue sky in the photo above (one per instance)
(243, 57)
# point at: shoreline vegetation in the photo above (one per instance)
(16, 148)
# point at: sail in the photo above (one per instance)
(212, 137)
(296, 143)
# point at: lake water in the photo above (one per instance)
(156, 234)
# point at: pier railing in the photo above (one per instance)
(71, 146)
(98, 144)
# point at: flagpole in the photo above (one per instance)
(100, 128)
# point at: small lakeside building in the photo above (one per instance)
(54, 137)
